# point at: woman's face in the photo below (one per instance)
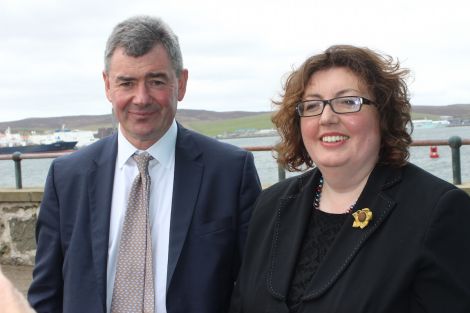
(351, 140)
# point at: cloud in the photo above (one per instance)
(237, 52)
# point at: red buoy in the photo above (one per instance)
(433, 152)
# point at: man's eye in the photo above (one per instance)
(157, 82)
(125, 84)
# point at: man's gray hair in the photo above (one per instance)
(138, 35)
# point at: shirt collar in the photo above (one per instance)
(162, 151)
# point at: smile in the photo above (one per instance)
(142, 113)
(334, 138)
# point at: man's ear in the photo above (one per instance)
(107, 86)
(182, 82)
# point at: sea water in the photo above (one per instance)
(34, 172)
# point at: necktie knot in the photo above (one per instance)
(142, 161)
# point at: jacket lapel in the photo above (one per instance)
(188, 176)
(100, 182)
(292, 216)
(350, 240)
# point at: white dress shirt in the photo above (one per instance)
(161, 170)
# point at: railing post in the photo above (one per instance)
(455, 142)
(17, 159)
(281, 172)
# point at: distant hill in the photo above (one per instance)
(208, 122)
(85, 122)
(455, 110)
(94, 122)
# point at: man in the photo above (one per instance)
(201, 196)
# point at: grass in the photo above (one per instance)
(422, 116)
(261, 121)
(219, 127)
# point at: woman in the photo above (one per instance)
(364, 230)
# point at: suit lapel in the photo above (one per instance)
(100, 182)
(292, 216)
(188, 176)
(350, 240)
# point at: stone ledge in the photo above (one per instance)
(21, 195)
(465, 187)
(35, 194)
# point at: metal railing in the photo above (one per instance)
(17, 157)
(455, 142)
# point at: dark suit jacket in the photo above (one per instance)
(414, 256)
(215, 187)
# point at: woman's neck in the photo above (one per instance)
(341, 189)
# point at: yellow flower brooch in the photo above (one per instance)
(362, 218)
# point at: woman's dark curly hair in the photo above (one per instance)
(380, 74)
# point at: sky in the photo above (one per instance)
(238, 53)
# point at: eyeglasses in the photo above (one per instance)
(340, 105)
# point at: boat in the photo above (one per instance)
(11, 143)
(83, 137)
(40, 148)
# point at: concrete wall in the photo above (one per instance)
(18, 216)
(465, 187)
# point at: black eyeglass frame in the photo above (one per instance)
(325, 102)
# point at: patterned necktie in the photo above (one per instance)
(133, 286)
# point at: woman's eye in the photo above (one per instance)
(312, 106)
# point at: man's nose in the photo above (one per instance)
(142, 94)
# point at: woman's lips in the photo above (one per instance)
(333, 138)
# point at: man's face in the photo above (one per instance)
(144, 92)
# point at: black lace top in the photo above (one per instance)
(319, 236)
